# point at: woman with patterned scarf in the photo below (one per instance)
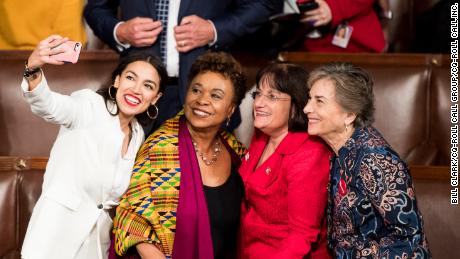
(185, 192)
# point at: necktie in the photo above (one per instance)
(162, 7)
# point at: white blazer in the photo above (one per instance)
(85, 174)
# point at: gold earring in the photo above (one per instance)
(110, 93)
(346, 127)
(156, 112)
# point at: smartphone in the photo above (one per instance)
(71, 52)
(306, 5)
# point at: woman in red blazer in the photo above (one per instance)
(357, 16)
(285, 172)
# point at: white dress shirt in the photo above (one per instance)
(172, 60)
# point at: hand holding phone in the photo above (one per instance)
(70, 52)
(306, 5)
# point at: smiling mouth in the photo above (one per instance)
(201, 113)
(132, 100)
(263, 114)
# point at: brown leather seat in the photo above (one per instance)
(432, 189)
(20, 186)
(440, 114)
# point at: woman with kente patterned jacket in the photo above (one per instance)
(372, 211)
(185, 194)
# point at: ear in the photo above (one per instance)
(232, 110)
(155, 100)
(116, 83)
(350, 117)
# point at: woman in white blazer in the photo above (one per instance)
(91, 160)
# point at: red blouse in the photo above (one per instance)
(283, 215)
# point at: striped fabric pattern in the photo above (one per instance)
(147, 211)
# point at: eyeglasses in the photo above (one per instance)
(270, 97)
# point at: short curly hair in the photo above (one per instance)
(224, 64)
(353, 89)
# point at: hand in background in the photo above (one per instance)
(319, 16)
(139, 31)
(193, 32)
(45, 49)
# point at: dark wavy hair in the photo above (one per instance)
(290, 79)
(224, 64)
(353, 89)
(122, 64)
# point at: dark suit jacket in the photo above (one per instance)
(232, 19)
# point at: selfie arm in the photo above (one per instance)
(68, 111)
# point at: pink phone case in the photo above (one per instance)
(71, 52)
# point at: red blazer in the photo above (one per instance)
(367, 33)
(283, 215)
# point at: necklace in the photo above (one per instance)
(215, 153)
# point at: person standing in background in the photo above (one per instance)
(24, 23)
(179, 31)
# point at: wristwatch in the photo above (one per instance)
(31, 73)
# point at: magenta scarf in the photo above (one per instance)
(193, 232)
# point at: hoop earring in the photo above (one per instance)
(156, 112)
(115, 107)
(110, 93)
(228, 122)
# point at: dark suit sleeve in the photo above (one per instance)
(101, 16)
(245, 18)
